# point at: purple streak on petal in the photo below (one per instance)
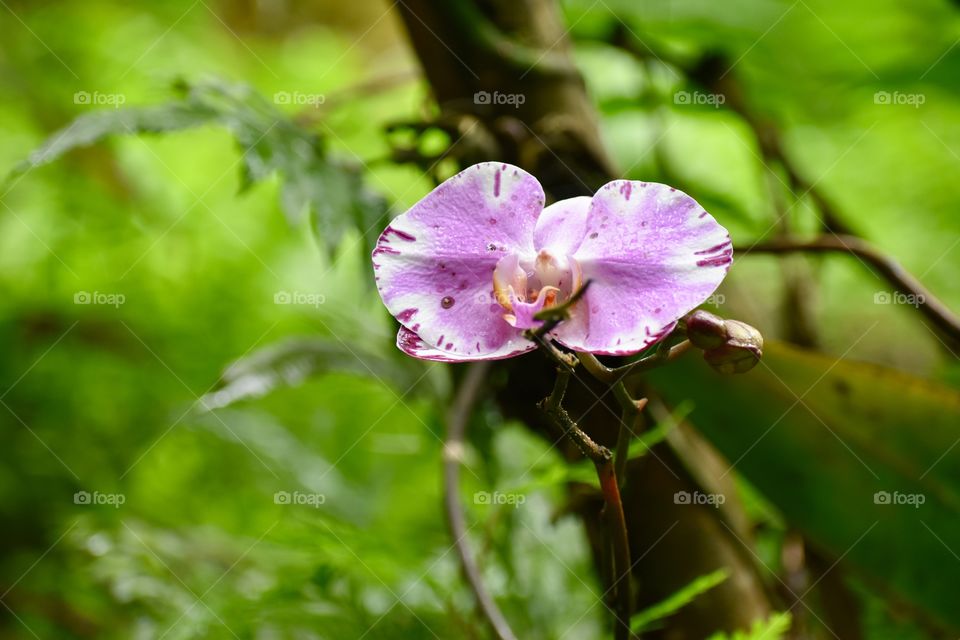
(385, 236)
(560, 228)
(714, 249)
(406, 315)
(651, 259)
(443, 255)
(716, 261)
(411, 344)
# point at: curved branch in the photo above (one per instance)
(885, 266)
(616, 375)
(457, 421)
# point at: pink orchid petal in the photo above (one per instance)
(652, 255)
(412, 345)
(562, 226)
(434, 264)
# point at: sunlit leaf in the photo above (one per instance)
(773, 628)
(645, 619)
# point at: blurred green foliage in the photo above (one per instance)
(296, 493)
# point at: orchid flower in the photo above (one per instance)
(467, 269)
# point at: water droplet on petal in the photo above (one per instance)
(447, 302)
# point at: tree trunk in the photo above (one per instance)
(542, 120)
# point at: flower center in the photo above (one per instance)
(524, 287)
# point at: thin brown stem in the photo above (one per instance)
(613, 516)
(939, 315)
(629, 422)
(457, 421)
(616, 526)
(554, 409)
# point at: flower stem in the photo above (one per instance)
(616, 525)
(616, 374)
(555, 411)
(629, 427)
(613, 516)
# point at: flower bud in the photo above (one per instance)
(741, 351)
(729, 346)
(705, 330)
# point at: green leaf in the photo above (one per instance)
(856, 456)
(641, 445)
(642, 620)
(93, 127)
(327, 189)
(292, 361)
(773, 628)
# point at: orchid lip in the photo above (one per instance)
(545, 281)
